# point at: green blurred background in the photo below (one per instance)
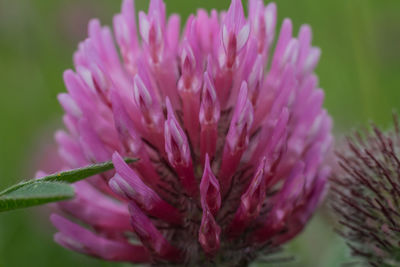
(359, 70)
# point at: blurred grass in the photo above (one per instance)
(359, 70)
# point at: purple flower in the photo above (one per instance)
(232, 140)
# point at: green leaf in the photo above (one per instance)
(70, 176)
(51, 188)
(35, 194)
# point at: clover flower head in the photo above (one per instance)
(232, 137)
(366, 195)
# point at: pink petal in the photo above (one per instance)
(81, 240)
(127, 183)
